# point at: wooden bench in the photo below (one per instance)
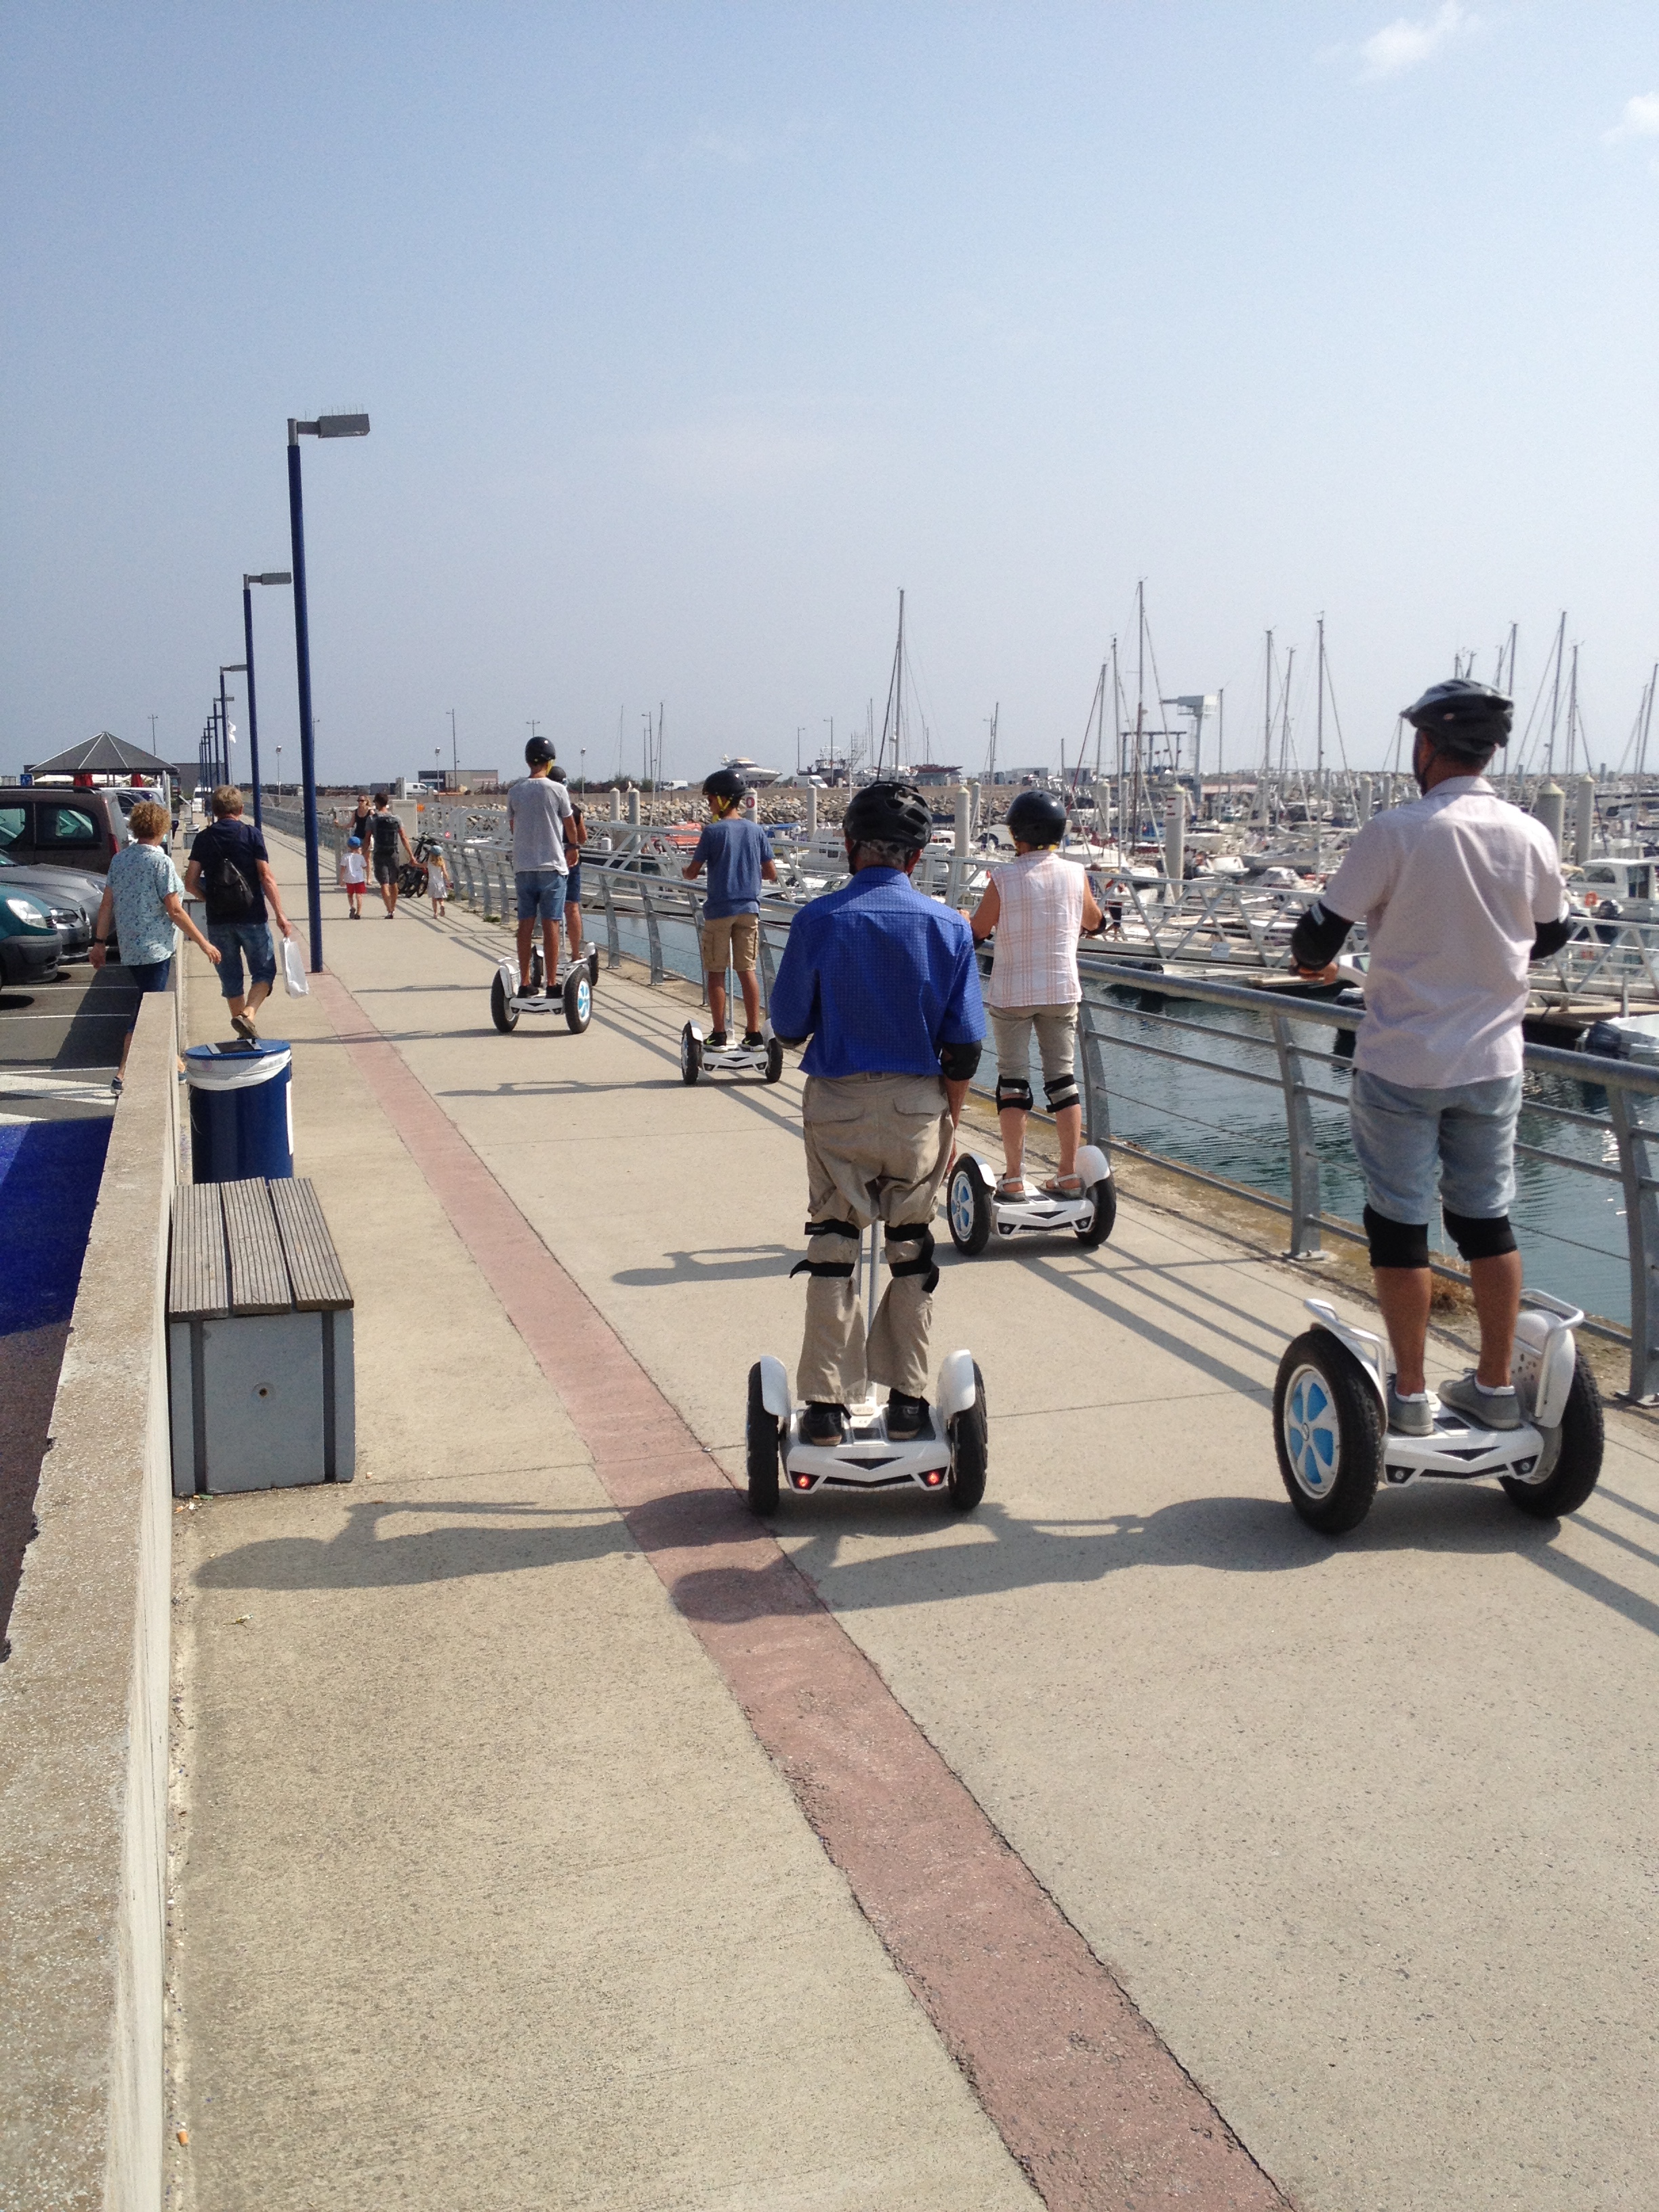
(259, 1352)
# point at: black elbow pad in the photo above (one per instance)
(1550, 937)
(1318, 937)
(958, 1061)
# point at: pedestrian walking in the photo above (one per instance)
(387, 833)
(141, 906)
(1460, 891)
(229, 871)
(353, 875)
(437, 882)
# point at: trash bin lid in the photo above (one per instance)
(236, 1066)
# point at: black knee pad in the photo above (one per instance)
(834, 1271)
(919, 1234)
(1061, 1091)
(1479, 1239)
(1013, 1090)
(1396, 1243)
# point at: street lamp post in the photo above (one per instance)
(325, 426)
(279, 775)
(271, 576)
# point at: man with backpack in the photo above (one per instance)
(229, 871)
(385, 833)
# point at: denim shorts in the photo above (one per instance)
(573, 886)
(149, 974)
(232, 939)
(541, 893)
(1408, 1141)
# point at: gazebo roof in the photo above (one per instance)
(104, 755)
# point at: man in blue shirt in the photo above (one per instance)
(738, 854)
(885, 984)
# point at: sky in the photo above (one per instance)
(691, 335)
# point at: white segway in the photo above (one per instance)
(699, 1058)
(951, 1461)
(574, 998)
(1331, 1432)
(975, 1213)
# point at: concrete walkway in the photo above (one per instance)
(490, 1894)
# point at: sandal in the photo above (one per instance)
(1065, 1186)
(1012, 1187)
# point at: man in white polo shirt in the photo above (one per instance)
(1460, 891)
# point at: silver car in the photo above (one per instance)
(72, 898)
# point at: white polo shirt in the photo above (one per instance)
(1452, 889)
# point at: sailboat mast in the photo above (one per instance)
(1555, 695)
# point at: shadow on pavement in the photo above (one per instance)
(360, 1556)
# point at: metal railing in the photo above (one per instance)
(657, 920)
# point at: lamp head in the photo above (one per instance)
(270, 576)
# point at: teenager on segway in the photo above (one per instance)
(1460, 891)
(738, 854)
(884, 982)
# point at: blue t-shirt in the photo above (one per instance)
(880, 977)
(733, 851)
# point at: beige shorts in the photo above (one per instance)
(733, 941)
(1056, 1039)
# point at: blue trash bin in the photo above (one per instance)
(241, 1111)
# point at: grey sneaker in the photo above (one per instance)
(1410, 1417)
(1482, 1409)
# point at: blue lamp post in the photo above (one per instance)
(325, 426)
(271, 576)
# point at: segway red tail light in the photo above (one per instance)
(803, 1482)
(933, 1477)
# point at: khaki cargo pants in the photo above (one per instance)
(893, 1132)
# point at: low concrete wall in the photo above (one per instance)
(84, 1702)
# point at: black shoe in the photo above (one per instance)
(752, 1040)
(907, 1417)
(717, 1040)
(823, 1424)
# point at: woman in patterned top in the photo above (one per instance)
(144, 898)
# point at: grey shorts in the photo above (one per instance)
(1455, 1147)
(1056, 1039)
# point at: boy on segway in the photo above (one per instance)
(537, 810)
(1460, 891)
(884, 982)
(738, 854)
(1038, 905)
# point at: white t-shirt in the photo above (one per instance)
(1452, 889)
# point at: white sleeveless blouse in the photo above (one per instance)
(1037, 931)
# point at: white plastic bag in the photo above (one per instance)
(294, 970)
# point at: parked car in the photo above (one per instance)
(53, 825)
(74, 899)
(29, 941)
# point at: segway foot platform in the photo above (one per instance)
(699, 1058)
(949, 1460)
(1334, 1446)
(976, 1214)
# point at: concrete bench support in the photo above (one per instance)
(84, 1704)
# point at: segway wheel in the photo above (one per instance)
(1578, 1458)
(537, 970)
(763, 1436)
(578, 1000)
(967, 1209)
(504, 1016)
(1327, 1432)
(1105, 1197)
(970, 1451)
(592, 967)
(691, 1055)
(773, 1059)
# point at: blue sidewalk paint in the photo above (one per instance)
(49, 1176)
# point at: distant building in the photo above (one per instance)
(470, 779)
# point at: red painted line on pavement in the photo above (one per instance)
(1088, 2100)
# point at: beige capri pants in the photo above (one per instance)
(1056, 1037)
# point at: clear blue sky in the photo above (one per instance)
(689, 333)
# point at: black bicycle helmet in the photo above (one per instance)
(725, 783)
(1459, 716)
(888, 813)
(538, 753)
(1037, 817)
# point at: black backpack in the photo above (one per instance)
(229, 891)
